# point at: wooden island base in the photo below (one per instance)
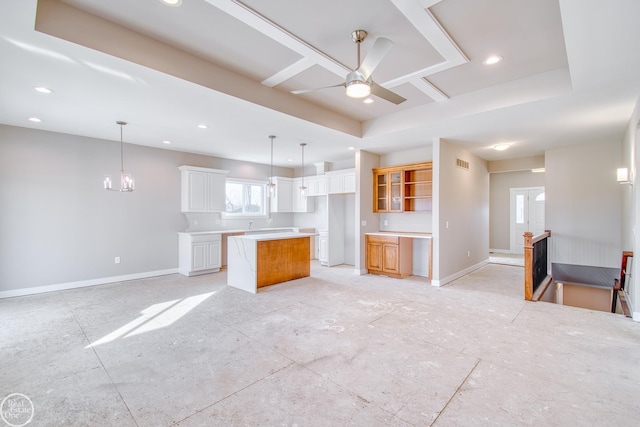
(258, 260)
(282, 260)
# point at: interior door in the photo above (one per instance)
(527, 214)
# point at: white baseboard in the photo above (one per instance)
(500, 251)
(459, 274)
(361, 272)
(84, 283)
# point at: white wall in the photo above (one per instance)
(58, 226)
(630, 217)
(462, 202)
(365, 162)
(583, 204)
(404, 157)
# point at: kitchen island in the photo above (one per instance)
(257, 260)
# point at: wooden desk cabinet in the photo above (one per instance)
(389, 255)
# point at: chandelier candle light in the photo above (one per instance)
(303, 189)
(127, 184)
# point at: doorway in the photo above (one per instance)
(526, 213)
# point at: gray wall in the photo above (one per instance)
(462, 200)
(58, 225)
(583, 204)
(500, 183)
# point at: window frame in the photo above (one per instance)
(245, 183)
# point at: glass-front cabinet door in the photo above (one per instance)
(395, 191)
(381, 192)
(388, 191)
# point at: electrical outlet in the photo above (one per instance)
(195, 222)
(385, 222)
(217, 221)
(363, 223)
(117, 260)
(468, 254)
(269, 220)
(446, 224)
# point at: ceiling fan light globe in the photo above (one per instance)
(358, 89)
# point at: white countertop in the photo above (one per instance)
(401, 234)
(274, 236)
(246, 231)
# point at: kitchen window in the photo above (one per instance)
(245, 198)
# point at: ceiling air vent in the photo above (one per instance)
(462, 164)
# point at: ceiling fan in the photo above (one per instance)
(358, 83)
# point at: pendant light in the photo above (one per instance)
(127, 184)
(303, 189)
(271, 185)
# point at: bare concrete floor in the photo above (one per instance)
(334, 349)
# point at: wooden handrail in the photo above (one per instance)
(536, 239)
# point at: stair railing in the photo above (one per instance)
(618, 292)
(536, 265)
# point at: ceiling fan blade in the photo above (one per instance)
(297, 92)
(386, 94)
(375, 55)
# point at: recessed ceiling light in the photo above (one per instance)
(166, 142)
(35, 119)
(501, 147)
(42, 89)
(352, 148)
(493, 59)
(203, 126)
(368, 101)
(173, 3)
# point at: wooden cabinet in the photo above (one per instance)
(389, 255)
(199, 253)
(202, 189)
(388, 190)
(418, 187)
(406, 188)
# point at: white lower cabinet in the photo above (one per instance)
(199, 253)
(323, 247)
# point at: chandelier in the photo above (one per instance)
(127, 184)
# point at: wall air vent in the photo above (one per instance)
(462, 164)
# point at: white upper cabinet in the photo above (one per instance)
(302, 203)
(322, 185)
(202, 189)
(342, 181)
(281, 200)
(316, 185)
